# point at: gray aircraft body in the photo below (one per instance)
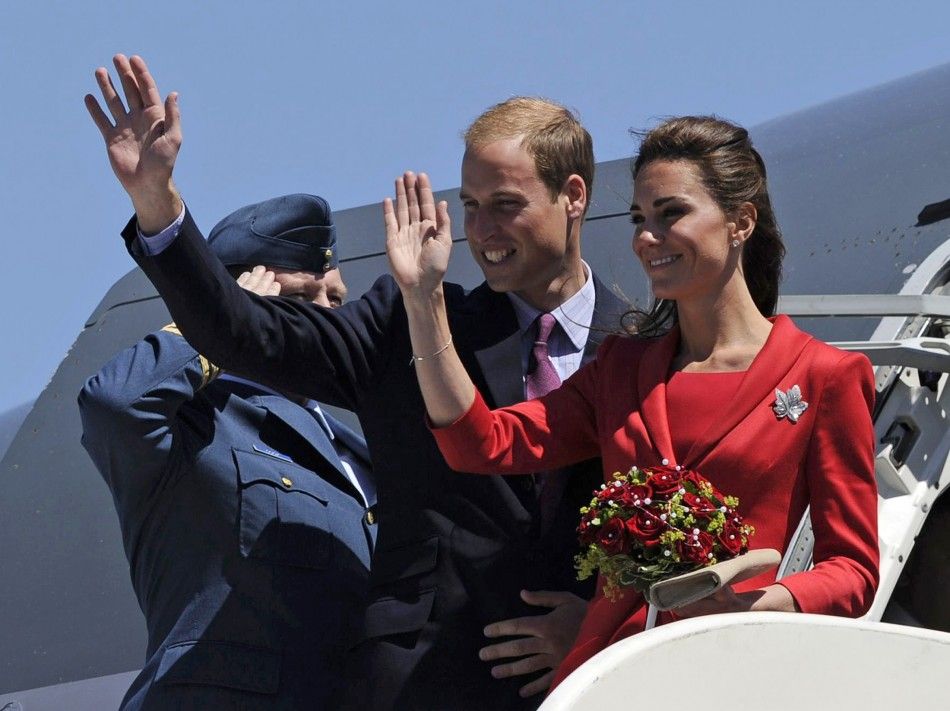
(862, 190)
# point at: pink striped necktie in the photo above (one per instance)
(540, 381)
(544, 378)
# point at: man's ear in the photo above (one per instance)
(575, 189)
(743, 222)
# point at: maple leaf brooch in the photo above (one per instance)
(789, 404)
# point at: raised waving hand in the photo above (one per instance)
(418, 235)
(142, 139)
(418, 242)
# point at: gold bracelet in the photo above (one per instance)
(443, 349)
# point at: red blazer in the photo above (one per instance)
(616, 407)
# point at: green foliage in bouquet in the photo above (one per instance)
(652, 524)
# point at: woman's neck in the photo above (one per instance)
(722, 333)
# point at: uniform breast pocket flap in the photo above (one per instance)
(208, 663)
(284, 515)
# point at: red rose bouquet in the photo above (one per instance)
(653, 524)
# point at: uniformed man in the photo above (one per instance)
(246, 513)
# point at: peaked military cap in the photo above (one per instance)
(293, 232)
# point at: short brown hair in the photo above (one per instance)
(552, 135)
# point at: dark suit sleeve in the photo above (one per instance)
(549, 432)
(331, 355)
(842, 496)
(129, 413)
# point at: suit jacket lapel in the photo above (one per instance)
(307, 429)
(501, 367)
(496, 344)
(780, 352)
(608, 310)
(349, 438)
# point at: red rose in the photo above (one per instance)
(699, 505)
(696, 548)
(730, 538)
(698, 480)
(613, 536)
(587, 532)
(587, 529)
(694, 477)
(666, 480)
(634, 495)
(646, 527)
(611, 491)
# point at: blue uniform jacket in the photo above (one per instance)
(248, 546)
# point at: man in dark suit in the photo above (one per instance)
(243, 510)
(454, 552)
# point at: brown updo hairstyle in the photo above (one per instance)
(733, 173)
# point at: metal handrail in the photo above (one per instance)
(932, 354)
(829, 305)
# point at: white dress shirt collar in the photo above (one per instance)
(574, 315)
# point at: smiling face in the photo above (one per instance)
(682, 237)
(524, 240)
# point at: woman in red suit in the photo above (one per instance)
(712, 380)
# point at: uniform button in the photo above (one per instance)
(286, 482)
(327, 267)
(370, 517)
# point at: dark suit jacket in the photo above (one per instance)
(247, 544)
(453, 550)
(776, 467)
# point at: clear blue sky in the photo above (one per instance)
(339, 98)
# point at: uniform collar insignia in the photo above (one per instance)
(264, 449)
